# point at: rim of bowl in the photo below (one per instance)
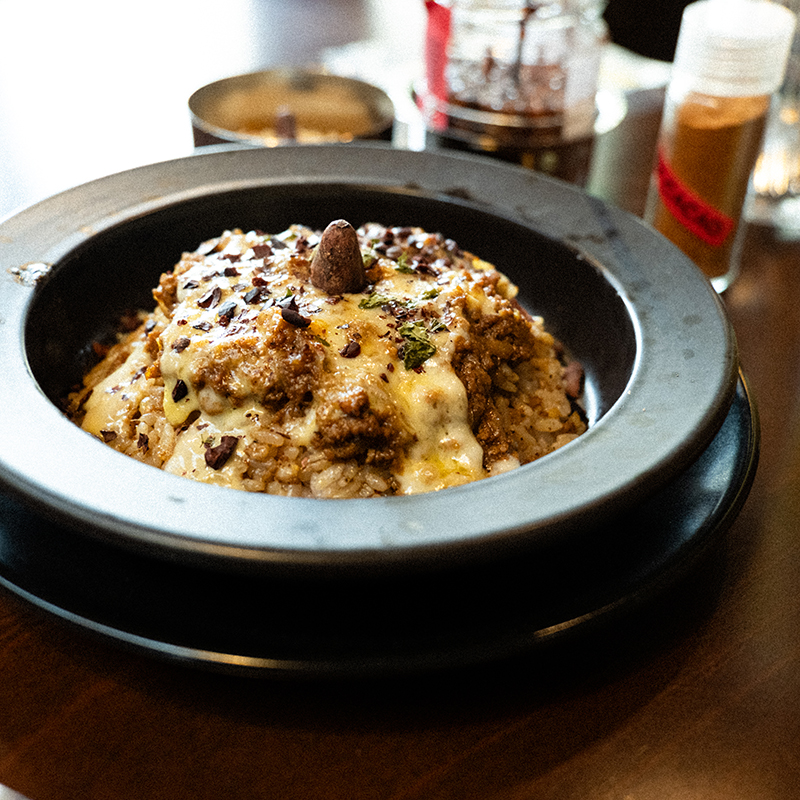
(679, 393)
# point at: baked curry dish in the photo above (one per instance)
(334, 364)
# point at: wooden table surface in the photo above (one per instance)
(697, 697)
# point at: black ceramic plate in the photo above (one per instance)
(658, 350)
(368, 626)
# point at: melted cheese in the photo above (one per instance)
(108, 406)
(430, 400)
(188, 457)
(446, 452)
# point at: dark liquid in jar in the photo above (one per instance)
(569, 161)
(519, 119)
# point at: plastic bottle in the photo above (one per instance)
(730, 58)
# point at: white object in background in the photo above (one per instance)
(775, 195)
(10, 794)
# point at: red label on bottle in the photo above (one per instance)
(437, 39)
(694, 213)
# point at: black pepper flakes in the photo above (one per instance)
(190, 285)
(108, 436)
(179, 345)
(210, 298)
(180, 391)
(202, 326)
(143, 443)
(217, 457)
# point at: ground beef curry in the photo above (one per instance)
(335, 364)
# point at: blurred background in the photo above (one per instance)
(89, 88)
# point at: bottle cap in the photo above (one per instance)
(734, 48)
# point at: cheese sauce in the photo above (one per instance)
(241, 323)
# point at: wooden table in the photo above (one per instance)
(697, 697)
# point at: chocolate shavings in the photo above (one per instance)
(210, 298)
(350, 350)
(180, 391)
(295, 318)
(217, 457)
(262, 250)
(226, 313)
(256, 295)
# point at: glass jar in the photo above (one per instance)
(516, 80)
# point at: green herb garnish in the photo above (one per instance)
(417, 345)
(403, 265)
(376, 300)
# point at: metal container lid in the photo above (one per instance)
(272, 107)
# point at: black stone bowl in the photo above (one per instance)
(659, 354)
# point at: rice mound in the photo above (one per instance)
(248, 376)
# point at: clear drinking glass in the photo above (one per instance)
(775, 196)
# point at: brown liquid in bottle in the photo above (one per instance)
(713, 145)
